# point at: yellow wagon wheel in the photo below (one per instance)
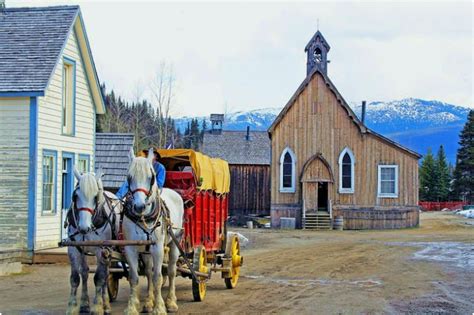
(232, 250)
(200, 264)
(112, 286)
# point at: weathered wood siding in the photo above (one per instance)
(50, 137)
(318, 124)
(14, 159)
(250, 189)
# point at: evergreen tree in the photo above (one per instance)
(203, 129)
(442, 173)
(428, 178)
(464, 171)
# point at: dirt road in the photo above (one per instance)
(423, 270)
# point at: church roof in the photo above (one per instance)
(318, 33)
(343, 103)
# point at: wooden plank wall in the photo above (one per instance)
(318, 123)
(372, 219)
(14, 159)
(249, 189)
(48, 225)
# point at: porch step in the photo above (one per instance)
(317, 221)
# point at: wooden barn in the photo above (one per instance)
(49, 98)
(112, 156)
(248, 155)
(326, 163)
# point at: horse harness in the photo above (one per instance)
(100, 219)
(147, 223)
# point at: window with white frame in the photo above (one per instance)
(83, 164)
(49, 182)
(287, 171)
(388, 181)
(346, 172)
(68, 97)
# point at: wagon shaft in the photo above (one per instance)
(106, 243)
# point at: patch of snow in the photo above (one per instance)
(466, 213)
(455, 253)
(242, 239)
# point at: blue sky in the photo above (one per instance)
(237, 56)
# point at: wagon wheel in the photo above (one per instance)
(232, 250)
(112, 287)
(200, 264)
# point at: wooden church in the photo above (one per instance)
(326, 163)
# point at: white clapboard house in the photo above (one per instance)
(49, 97)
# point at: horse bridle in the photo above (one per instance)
(93, 212)
(147, 192)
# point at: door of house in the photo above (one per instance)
(310, 195)
(67, 188)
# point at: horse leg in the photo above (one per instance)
(149, 302)
(157, 254)
(85, 308)
(133, 300)
(100, 281)
(74, 258)
(171, 300)
(106, 299)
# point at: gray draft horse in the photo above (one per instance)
(145, 220)
(93, 216)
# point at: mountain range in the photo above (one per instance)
(415, 123)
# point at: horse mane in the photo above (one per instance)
(140, 169)
(88, 185)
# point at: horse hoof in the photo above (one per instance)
(171, 306)
(85, 309)
(147, 309)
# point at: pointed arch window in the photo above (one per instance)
(287, 171)
(346, 171)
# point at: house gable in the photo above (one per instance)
(31, 45)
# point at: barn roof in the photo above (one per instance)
(233, 147)
(112, 155)
(343, 103)
(32, 41)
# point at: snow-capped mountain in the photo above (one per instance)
(415, 123)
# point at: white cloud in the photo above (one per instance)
(252, 55)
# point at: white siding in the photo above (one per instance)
(14, 158)
(50, 138)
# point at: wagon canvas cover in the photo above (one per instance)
(212, 174)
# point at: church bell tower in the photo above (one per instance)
(317, 54)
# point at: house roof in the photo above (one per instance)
(233, 147)
(362, 128)
(31, 43)
(112, 155)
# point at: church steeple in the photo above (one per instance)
(317, 52)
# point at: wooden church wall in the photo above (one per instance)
(318, 123)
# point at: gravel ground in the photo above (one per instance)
(426, 270)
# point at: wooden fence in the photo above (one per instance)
(438, 206)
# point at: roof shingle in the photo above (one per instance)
(31, 40)
(112, 155)
(233, 147)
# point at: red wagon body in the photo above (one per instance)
(205, 212)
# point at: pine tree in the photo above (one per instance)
(203, 129)
(442, 173)
(464, 171)
(428, 180)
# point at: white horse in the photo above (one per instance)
(145, 220)
(90, 218)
